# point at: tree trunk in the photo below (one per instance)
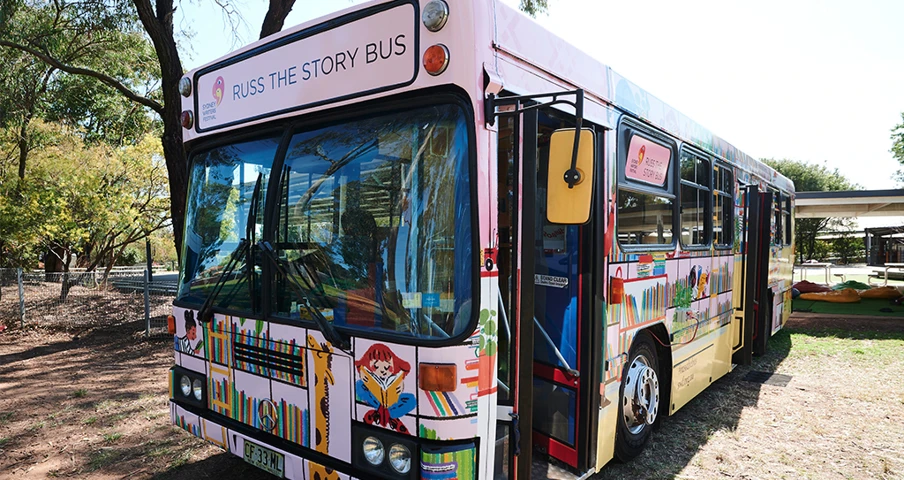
(158, 22)
(276, 16)
(23, 146)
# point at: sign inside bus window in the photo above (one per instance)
(647, 162)
(371, 54)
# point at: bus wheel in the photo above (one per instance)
(639, 398)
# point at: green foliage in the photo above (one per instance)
(808, 177)
(533, 7)
(897, 146)
(93, 200)
(849, 248)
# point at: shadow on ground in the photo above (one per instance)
(718, 408)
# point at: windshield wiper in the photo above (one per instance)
(206, 312)
(330, 332)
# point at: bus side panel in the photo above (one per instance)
(691, 373)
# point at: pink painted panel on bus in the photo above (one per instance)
(647, 162)
(372, 53)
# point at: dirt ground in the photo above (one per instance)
(92, 404)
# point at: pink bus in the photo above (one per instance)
(429, 239)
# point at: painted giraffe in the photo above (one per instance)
(323, 378)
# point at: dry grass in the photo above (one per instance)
(841, 416)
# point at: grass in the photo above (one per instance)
(3, 441)
(80, 393)
(89, 421)
(112, 437)
(104, 457)
(882, 347)
(5, 417)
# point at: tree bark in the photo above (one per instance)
(276, 16)
(159, 25)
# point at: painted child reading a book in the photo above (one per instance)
(381, 386)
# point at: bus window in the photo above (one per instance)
(777, 218)
(646, 196)
(723, 206)
(644, 219)
(786, 212)
(695, 194)
(221, 185)
(374, 215)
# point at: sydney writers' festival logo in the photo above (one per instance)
(219, 88)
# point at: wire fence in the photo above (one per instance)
(85, 300)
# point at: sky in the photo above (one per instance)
(815, 80)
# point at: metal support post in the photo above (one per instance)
(147, 303)
(21, 297)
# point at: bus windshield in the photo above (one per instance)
(373, 223)
(374, 219)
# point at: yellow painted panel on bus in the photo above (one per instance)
(564, 205)
(691, 375)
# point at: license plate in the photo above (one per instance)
(265, 459)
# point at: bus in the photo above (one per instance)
(429, 239)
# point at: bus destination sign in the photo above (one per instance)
(374, 53)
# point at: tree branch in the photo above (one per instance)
(105, 79)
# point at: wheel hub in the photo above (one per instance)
(641, 395)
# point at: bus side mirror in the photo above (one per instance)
(569, 206)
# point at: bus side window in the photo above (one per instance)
(696, 220)
(646, 192)
(723, 206)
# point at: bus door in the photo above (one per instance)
(750, 337)
(541, 302)
(559, 258)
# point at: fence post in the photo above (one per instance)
(147, 304)
(21, 298)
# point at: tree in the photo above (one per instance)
(811, 178)
(897, 146)
(533, 7)
(86, 33)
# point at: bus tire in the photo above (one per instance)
(639, 399)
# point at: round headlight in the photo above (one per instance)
(435, 15)
(185, 385)
(185, 86)
(196, 389)
(400, 458)
(373, 450)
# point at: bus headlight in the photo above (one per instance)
(185, 385)
(188, 387)
(197, 389)
(185, 86)
(400, 458)
(373, 451)
(435, 15)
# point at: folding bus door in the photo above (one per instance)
(558, 311)
(754, 307)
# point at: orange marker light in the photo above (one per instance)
(437, 377)
(171, 324)
(436, 59)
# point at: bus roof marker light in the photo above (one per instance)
(435, 15)
(436, 59)
(185, 86)
(188, 119)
